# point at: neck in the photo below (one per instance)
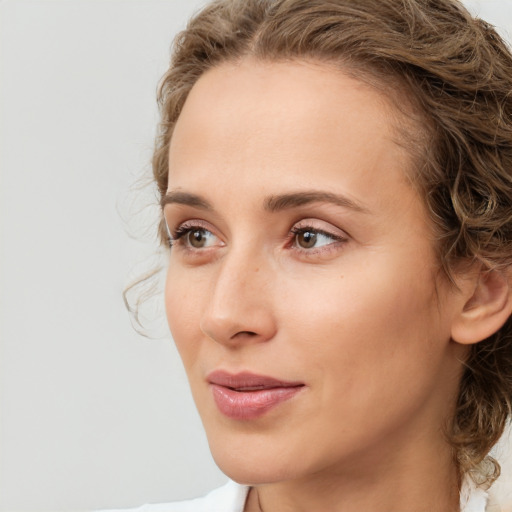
(421, 480)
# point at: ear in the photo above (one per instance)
(486, 304)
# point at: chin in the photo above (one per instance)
(253, 467)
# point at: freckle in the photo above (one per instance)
(257, 269)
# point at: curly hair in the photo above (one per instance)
(456, 73)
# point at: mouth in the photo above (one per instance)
(246, 396)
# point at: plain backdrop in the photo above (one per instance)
(93, 415)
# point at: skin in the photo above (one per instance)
(361, 317)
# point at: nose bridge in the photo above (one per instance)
(239, 305)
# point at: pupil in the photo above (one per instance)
(197, 238)
(308, 239)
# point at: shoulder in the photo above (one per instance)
(478, 499)
(228, 498)
(495, 503)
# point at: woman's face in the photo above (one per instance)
(302, 292)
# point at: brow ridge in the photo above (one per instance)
(273, 203)
(295, 199)
(185, 198)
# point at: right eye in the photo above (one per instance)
(194, 237)
(199, 238)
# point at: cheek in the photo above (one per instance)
(379, 298)
(366, 327)
(369, 349)
(182, 306)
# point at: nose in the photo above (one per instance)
(239, 309)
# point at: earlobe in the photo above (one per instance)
(486, 306)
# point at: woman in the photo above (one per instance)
(336, 184)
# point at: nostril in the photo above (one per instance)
(245, 333)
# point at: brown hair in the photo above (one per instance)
(457, 73)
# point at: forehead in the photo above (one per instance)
(284, 94)
(287, 119)
(260, 99)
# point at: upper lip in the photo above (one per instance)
(246, 381)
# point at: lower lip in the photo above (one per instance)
(248, 405)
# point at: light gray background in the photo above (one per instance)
(92, 414)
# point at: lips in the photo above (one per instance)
(246, 396)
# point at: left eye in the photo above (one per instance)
(308, 238)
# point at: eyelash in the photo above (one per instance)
(299, 230)
(184, 229)
(181, 231)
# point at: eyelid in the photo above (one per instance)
(320, 226)
(177, 234)
(189, 224)
(328, 234)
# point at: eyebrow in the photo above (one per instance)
(273, 203)
(295, 199)
(186, 198)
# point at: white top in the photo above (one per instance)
(231, 498)
(228, 498)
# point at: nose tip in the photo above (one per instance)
(240, 307)
(233, 329)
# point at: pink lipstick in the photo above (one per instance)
(245, 396)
